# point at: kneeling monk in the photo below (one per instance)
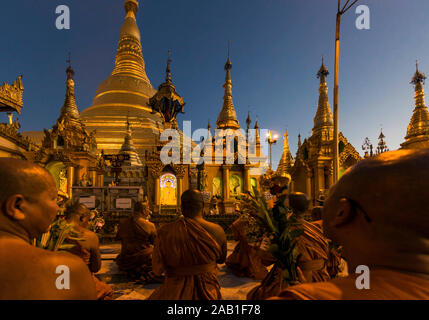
(188, 251)
(88, 248)
(313, 248)
(379, 212)
(137, 236)
(247, 260)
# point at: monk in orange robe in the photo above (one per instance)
(247, 260)
(137, 235)
(28, 206)
(314, 250)
(88, 249)
(188, 251)
(378, 212)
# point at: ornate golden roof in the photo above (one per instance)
(418, 129)
(227, 118)
(11, 96)
(323, 115)
(167, 102)
(286, 161)
(69, 134)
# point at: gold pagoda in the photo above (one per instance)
(418, 130)
(312, 172)
(125, 93)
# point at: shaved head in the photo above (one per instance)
(299, 202)
(192, 203)
(383, 201)
(28, 197)
(22, 177)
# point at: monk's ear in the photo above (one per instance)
(344, 213)
(13, 207)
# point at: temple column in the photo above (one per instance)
(77, 175)
(179, 190)
(247, 186)
(225, 183)
(157, 192)
(94, 178)
(100, 180)
(308, 184)
(70, 177)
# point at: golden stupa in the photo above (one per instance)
(125, 95)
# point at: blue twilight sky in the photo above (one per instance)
(276, 47)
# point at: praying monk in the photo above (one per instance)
(313, 248)
(188, 251)
(88, 249)
(28, 199)
(247, 260)
(379, 212)
(137, 235)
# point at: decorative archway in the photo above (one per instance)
(218, 187)
(168, 189)
(235, 185)
(58, 170)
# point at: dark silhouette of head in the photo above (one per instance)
(141, 209)
(316, 213)
(192, 203)
(299, 202)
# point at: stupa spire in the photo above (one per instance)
(69, 109)
(129, 57)
(418, 129)
(323, 115)
(227, 118)
(129, 148)
(286, 161)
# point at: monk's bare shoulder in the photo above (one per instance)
(214, 229)
(27, 272)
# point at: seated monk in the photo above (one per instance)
(378, 211)
(312, 246)
(247, 260)
(28, 205)
(137, 236)
(188, 251)
(88, 249)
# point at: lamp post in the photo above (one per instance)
(271, 140)
(340, 12)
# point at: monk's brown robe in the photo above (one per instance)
(187, 253)
(104, 291)
(246, 260)
(384, 285)
(314, 250)
(136, 250)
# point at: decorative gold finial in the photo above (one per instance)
(168, 70)
(248, 120)
(131, 5)
(228, 64)
(418, 77)
(323, 72)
